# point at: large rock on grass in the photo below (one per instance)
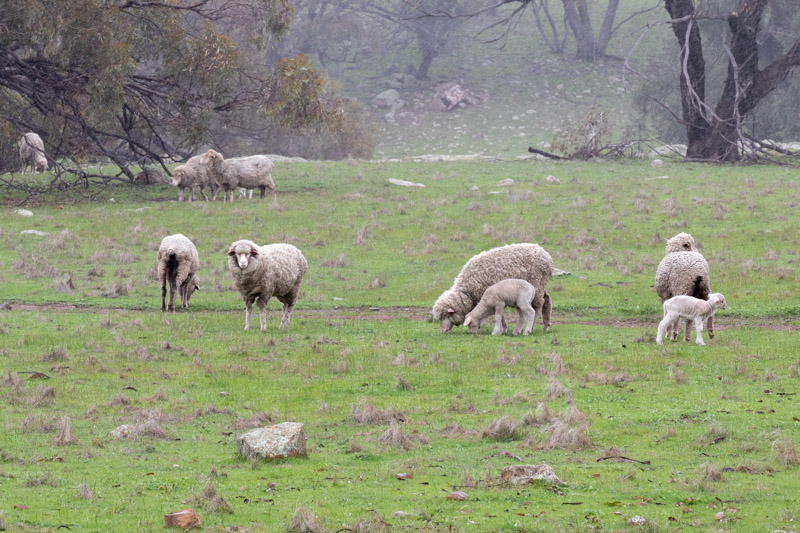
(522, 474)
(272, 442)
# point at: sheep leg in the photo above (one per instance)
(203, 192)
(686, 331)
(527, 314)
(673, 331)
(664, 325)
(248, 311)
(163, 294)
(262, 311)
(545, 310)
(172, 290)
(711, 327)
(499, 328)
(180, 193)
(698, 325)
(263, 189)
(288, 302)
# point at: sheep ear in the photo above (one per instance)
(467, 321)
(232, 252)
(253, 252)
(450, 310)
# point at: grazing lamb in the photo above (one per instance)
(683, 271)
(529, 262)
(245, 172)
(690, 308)
(509, 292)
(177, 263)
(31, 153)
(261, 272)
(193, 173)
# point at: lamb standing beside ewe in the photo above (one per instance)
(529, 262)
(31, 153)
(509, 292)
(690, 308)
(193, 173)
(245, 172)
(683, 271)
(177, 264)
(261, 272)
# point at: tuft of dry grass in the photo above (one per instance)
(371, 525)
(64, 432)
(211, 501)
(43, 396)
(37, 423)
(539, 417)
(506, 359)
(84, 492)
(119, 400)
(256, 421)
(368, 414)
(785, 451)
(677, 374)
(570, 431)
(394, 437)
(710, 472)
(503, 428)
(304, 521)
(555, 389)
(45, 479)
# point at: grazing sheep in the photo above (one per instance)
(193, 173)
(177, 263)
(509, 292)
(261, 272)
(245, 172)
(690, 308)
(683, 271)
(31, 153)
(529, 262)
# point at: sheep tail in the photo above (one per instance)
(172, 268)
(701, 289)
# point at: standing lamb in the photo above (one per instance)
(193, 173)
(690, 308)
(529, 262)
(261, 272)
(683, 271)
(177, 263)
(31, 153)
(509, 292)
(245, 172)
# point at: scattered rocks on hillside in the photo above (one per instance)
(287, 439)
(522, 474)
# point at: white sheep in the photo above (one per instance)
(193, 173)
(177, 264)
(31, 153)
(507, 293)
(690, 308)
(683, 271)
(526, 261)
(245, 172)
(261, 272)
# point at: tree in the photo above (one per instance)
(715, 134)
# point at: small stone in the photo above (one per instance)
(637, 520)
(121, 432)
(522, 474)
(720, 516)
(656, 163)
(508, 182)
(404, 476)
(552, 179)
(34, 232)
(457, 496)
(182, 519)
(23, 212)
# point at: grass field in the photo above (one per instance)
(687, 437)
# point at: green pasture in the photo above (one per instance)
(675, 434)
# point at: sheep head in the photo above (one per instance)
(243, 252)
(682, 242)
(40, 165)
(717, 300)
(178, 175)
(211, 158)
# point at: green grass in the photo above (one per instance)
(713, 428)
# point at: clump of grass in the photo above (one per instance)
(394, 437)
(37, 423)
(304, 521)
(555, 389)
(212, 501)
(55, 354)
(402, 383)
(506, 359)
(119, 400)
(710, 472)
(677, 374)
(785, 451)
(769, 375)
(503, 428)
(115, 291)
(211, 409)
(570, 431)
(340, 261)
(368, 414)
(716, 433)
(84, 492)
(64, 432)
(541, 416)
(43, 396)
(256, 421)
(371, 525)
(45, 479)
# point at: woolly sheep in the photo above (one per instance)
(509, 292)
(193, 173)
(261, 272)
(690, 308)
(31, 153)
(683, 271)
(245, 172)
(177, 264)
(526, 261)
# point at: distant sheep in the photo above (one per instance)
(193, 173)
(261, 272)
(692, 309)
(31, 153)
(529, 262)
(244, 172)
(683, 271)
(509, 292)
(177, 264)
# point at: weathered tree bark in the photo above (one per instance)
(577, 14)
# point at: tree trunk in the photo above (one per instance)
(577, 14)
(607, 29)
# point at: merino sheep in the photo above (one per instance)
(690, 308)
(245, 172)
(683, 271)
(177, 264)
(261, 272)
(193, 173)
(31, 153)
(509, 292)
(529, 262)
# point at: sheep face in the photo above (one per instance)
(211, 158)
(177, 177)
(717, 301)
(41, 165)
(243, 255)
(449, 319)
(682, 242)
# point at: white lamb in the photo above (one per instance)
(261, 272)
(507, 293)
(177, 264)
(244, 172)
(31, 153)
(193, 173)
(690, 308)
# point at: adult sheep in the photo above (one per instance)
(526, 261)
(245, 172)
(193, 173)
(683, 271)
(261, 272)
(177, 265)
(31, 153)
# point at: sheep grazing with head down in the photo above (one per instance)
(193, 173)
(683, 271)
(31, 153)
(244, 172)
(507, 293)
(261, 272)
(529, 262)
(177, 265)
(692, 309)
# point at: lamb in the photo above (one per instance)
(509, 292)
(177, 263)
(529, 262)
(683, 271)
(31, 153)
(245, 172)
(193, 173)
(261, 272)
(690, 308)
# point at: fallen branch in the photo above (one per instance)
(624, 459)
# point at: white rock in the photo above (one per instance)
(121, 432)
(552, 179)
(34, 232)
(508, 182)
(656, 163)
(23, 212)
(637, 520)
(281, 440)
(522, 474)
(404, 183)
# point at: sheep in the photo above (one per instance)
(245, 172)
(177, 264)
(31, 153)
(509, 292)
(193, 173)
(526, 261)
(690, 308)
(683, 271)
(261, 272)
